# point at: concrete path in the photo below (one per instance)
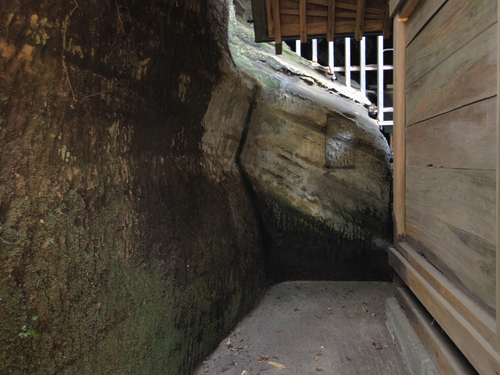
(302, 328)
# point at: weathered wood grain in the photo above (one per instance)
(302, 15)
(399, 130)
(320, 28)
(463, 198)
(458, 139)
(420, 16)
(498, 180)
(471, 343)
(360, 19)
(469, 75)
(466, 260)
(408, 8)
(443, 352)
(330, 34)
(457, 23)
(480, 315)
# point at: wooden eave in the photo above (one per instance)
(275, 20)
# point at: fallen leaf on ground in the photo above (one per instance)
(263, 358)
(319, 368)
(276, 364)
(373, 314)
(245, 372)
(296, 310)
(365, 309)
(319, 352)
(228, 343)
(377, 345)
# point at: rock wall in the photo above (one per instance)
(318, 166)
(128, 242)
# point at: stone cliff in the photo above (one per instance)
(317, 164)
(149, 173)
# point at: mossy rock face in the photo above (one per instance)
(318, 166)
(120, 252)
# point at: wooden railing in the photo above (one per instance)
(380, 67)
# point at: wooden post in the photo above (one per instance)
(277, 26)
(303, 21)
(380, 77)
(399, 129)
(362, 60)
(498, 184)
(330, 34)
(348, 62)
(360, 19)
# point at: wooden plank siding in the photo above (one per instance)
(463, 78)
(456, 24)
(480, 353)
(459, 139)
(399, 130)
(449, 207)
(420, 16)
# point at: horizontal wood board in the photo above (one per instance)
(466, 260)
(458, 139)
(463, 198)
(444, 353)
(456, 24)
(469, 75)
(480, 353)
(420, 16)
(316, 20)
(480, 315)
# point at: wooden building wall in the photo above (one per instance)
(446, 161)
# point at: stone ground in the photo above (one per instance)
(303, 328)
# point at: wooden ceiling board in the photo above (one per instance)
(301, 19)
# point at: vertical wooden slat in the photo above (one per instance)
(348, 62)
(360, 19)
(330, 33)
(362, 58)
(270, 23)
(380, 77)
(315, 51)
(399, 129)
(298, 48)
(303, 21)
(386, 29)
(498, 182)
(277, 26)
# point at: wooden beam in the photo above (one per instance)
(386, 30)
(303, 21)
(394, 6)
(360, 19)
(330, 34)
(408, 8)
(399, 130)
(320, 28)
(325, 13)
(269, 13)
(478, 317)
(498, 184)
(445, 355)
(347, 6)
(277, 26)
(480, 353)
